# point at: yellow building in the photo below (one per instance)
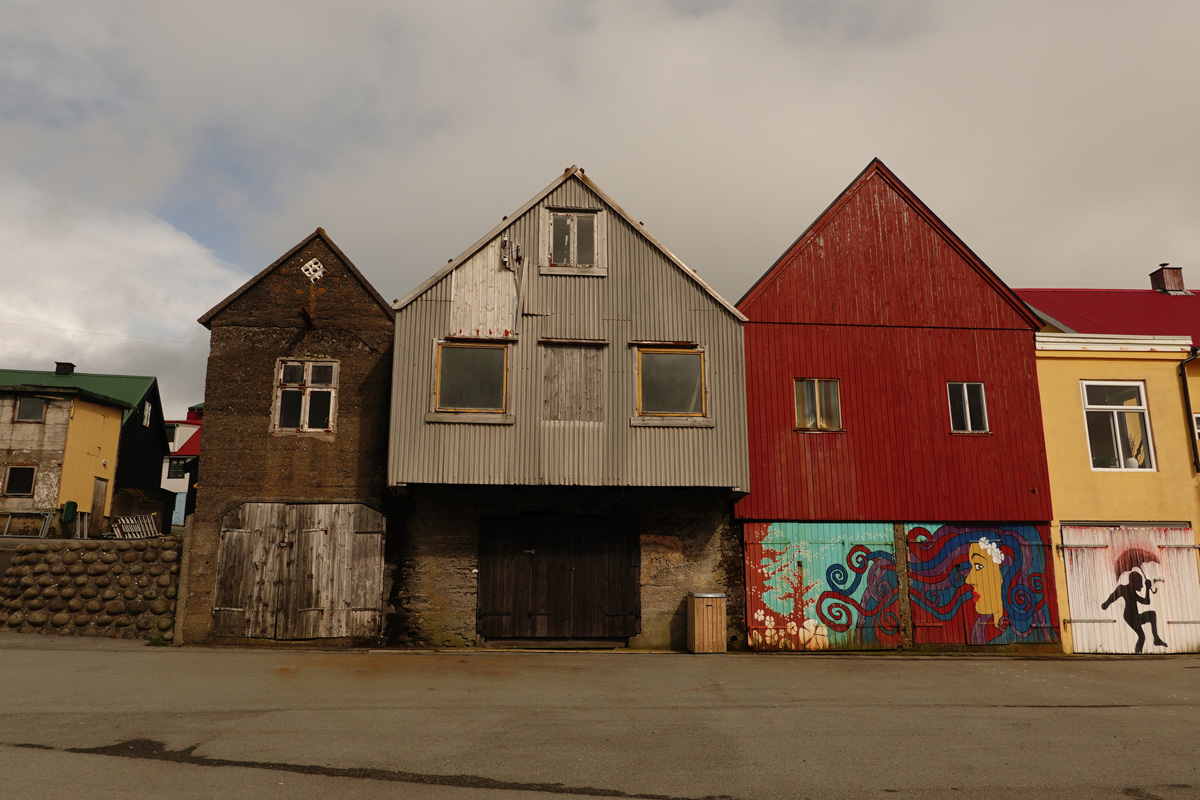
(1120, 448)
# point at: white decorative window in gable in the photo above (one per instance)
(305, 396)
(30, 409)
(671, 382)
(472, 377)
(1118, 425)
(968, 407)
(572, 242)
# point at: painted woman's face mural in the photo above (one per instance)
(983, 576)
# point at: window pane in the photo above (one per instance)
(1102, 440)
(1135, 445)
(30, 409)
(560, 250)
(806, 404)
(1110, 395)
(176, 468)
(672, 383)
(831, 412)
(293, 373)
(975, 407)
(471, 378)
(322, 375)
(958, 412)
(585, 240)
(319, 404)
(289, 408)
(20, 480)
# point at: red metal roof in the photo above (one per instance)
(1144, 312)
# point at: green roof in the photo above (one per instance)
(128, 390)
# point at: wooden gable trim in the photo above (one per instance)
(572, 171)
(207, 318)
(877, 167)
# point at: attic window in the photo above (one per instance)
(572, 242)
(31, 409)
(146, 414)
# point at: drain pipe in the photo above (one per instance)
(1187, 402)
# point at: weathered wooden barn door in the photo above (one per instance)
(1132, 589)
(559, 577)
(300, 571)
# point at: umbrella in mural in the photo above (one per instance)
(1132, 559)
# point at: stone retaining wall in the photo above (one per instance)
(124, 589)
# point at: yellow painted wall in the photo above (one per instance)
(92, 437)
(1167, 494)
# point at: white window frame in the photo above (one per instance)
(438, 408)
(1196, 425)
(306, 386)
(821, 418)
(146, 407)
(961, 386)
(17, 410)
(32, 481)
(1143, 409)
(546, 265)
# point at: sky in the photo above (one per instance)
(154, 156)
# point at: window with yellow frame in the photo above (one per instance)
(472, 377)
(671, 382)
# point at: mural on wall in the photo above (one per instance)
(813, 586)
(1132, 589)
(979, 585)
(817, 585)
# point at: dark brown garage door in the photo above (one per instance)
(558, 577)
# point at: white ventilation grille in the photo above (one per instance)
(314, 270)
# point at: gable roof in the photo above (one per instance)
(876, 168)
(1117, 311)
(319, 233)
(578, 173)
(123, 391)
(191, 447)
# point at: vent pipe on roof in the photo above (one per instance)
(64, 368)
(1167, 279)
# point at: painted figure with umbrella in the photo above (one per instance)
(1133, 561)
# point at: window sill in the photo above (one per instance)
(323, 433)
(583, 272)
(1123, 469)
(818, 430)
(970, 433)
(648, 421)
(471, 418)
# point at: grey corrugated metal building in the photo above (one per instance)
(569, 430)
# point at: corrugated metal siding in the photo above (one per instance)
(643, 298)
(1091, 555)
(819, 585)
(897, 458)
(874, 259)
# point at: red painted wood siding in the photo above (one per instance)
(879, 295)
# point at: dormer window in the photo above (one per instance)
(573, 242)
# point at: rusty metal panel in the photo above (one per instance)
(1132, 589)
(980, 584)
(821, 585)
(643, 297)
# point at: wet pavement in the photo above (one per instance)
(118, 719)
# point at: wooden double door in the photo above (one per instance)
(559, 576)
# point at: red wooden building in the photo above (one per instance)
(893, 408)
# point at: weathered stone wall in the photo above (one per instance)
(687, 544)
(124, 589)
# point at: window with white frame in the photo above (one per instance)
(1118, 425)
(968, 407)
(146, 413)
(818, 405)
(472, 377)
(572, 242)
(30, 409)
(305, 396)
(1196, 423)
(671, 382)
(18, 481)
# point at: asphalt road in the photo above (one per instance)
(95, 719)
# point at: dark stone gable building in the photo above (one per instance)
(287, 539)
(568, 434)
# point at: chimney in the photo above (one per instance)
(1167, 279)
(64, 368)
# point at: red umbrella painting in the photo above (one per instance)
(1132, 561)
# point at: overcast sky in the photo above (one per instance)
(153, 156)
